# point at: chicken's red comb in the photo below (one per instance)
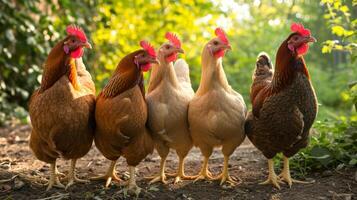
(299, 28)
(221, 35)
(148, 48)
(173, 39)
(76, 31)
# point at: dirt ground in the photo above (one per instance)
(22, 176)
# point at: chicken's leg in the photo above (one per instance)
(205, 173)
(161, 177)
(272, 178)
(224, 176)
(111, 174)
(54, 180)
(285, 174)
(131, 184)
(72, 175)
(181, 172)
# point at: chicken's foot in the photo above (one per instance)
(181, 172)
(205, 173)
(224, 176)
(132, 187)
(285, 175)
(54, 180)
(72, 178)
(109, 176)
(161, 177)
(272, 178)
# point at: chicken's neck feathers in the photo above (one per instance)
(126, 76)
(163, 73)
(56, 66)
(286, 68)
(213, 75)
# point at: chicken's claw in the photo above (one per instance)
(285, 175)
(109, 176)
(54, 182)
(159, 178)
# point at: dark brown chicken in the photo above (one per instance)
(285, 108)
(62, 110)
(121, 114)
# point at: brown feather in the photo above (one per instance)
(126, 76)
(286, 67)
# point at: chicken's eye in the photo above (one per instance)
(168, 46)
(215, 43)
(73, 40)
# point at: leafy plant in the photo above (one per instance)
(333, 144)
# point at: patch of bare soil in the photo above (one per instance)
(22, 176)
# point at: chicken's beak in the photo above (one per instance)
(154, 60)
(87, 45)
(227, 47)
(310, 39)
(179, 50)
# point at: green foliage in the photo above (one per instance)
(333, 144)
(339, 17)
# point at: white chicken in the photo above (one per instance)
(168, 97)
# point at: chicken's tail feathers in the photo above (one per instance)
(248, 126)
(182, 70)
(264, 59)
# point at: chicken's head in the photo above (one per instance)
(146, 57)
(75, 41)
(218, 46)
(299, 39)
(169, 50)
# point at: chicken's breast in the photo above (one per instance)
(63, 121)
(285, 120)
(217, 117)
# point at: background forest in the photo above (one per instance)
(30, 28)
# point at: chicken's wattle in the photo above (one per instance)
(146, 67)
(219, 53)
(302, 49)
(77, 53)
(172, 57)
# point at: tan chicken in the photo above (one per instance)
(121, 115)
(216, 114)
(62, 110)
(169, 94)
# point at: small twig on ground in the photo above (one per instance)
(56, 197)
(10, 179)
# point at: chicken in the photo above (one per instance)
(216, 113)
(121, 115)
(62, 109)
(262, 75)
(286, 107)
(168, 96)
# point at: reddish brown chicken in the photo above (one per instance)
(286, 107)
(62, 110)
(121, 114)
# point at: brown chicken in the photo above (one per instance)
(167, 101)
(121, 115)
(216, 113)
(262, 75)
(62, 109)
(286, 107)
